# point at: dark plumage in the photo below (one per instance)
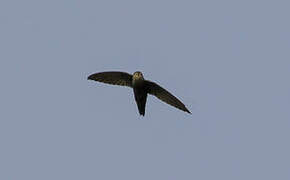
(141, 88)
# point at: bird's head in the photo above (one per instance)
(138, 76)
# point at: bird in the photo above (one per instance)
(141, 88)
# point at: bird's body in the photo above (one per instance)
(140, 92)
(140, 98)
(141, 88)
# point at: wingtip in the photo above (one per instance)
(188, 111)
(89, 77)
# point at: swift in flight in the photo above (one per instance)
(141, 88)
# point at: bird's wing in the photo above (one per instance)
(164, 95)
(113, 77)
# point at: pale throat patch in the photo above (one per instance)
(137, 78)
(138, 75)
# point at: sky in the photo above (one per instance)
(228, 61)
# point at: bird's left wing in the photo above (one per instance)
(113, 77)
(164, 95)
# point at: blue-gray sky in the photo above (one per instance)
(228, 61)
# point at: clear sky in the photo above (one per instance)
(228, 61)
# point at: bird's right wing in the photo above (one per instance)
(113, 77)
(165, 96)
